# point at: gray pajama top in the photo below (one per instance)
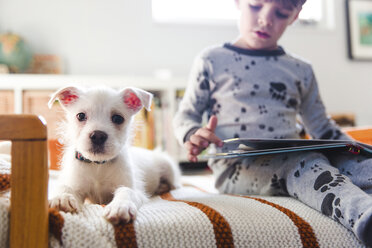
(254, 94)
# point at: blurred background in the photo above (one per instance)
(160, 38)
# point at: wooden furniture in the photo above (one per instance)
(362, 134)
(29, 179)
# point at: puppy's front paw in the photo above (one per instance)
(120, 211)
(65, 202)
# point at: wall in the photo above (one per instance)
(118, 37)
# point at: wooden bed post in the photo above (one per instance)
(29, 179)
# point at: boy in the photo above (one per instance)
(256, 90)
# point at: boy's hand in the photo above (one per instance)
(201, 139)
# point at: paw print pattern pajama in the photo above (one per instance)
(263, 94)
(340, 191)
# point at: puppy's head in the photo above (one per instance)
(98, 119)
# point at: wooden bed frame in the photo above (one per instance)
(29, 177)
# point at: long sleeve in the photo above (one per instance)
(313, 113)
(195, 102)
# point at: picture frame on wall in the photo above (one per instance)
(359, 29)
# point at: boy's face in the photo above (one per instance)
(262, 23)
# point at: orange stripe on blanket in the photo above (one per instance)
(56, 222)
(305, 230)
(125, 235)
(221, 227)
(4, 182)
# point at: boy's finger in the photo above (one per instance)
(212, 123)
(192, 158)
(188, 146)
(217, 141)
(199, 141)
(192, 149)
(208, 136)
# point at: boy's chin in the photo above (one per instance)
(256, 45)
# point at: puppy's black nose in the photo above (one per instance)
(98, 137)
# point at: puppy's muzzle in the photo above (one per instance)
(98, 139)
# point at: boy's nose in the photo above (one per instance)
(265, 22)
(265, 19)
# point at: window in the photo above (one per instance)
(221, 11)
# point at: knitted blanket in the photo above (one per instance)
(191, 217)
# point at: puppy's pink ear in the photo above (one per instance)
(135, 99)
(66, 96)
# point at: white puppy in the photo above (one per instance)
(98, 162)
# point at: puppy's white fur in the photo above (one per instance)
(119, 175)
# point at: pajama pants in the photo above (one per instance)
(337, 185)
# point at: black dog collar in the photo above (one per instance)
(80, 157)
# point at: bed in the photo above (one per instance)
(191, 216)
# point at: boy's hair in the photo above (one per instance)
(292, 3)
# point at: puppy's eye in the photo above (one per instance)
(81, 117)
(117, 119)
